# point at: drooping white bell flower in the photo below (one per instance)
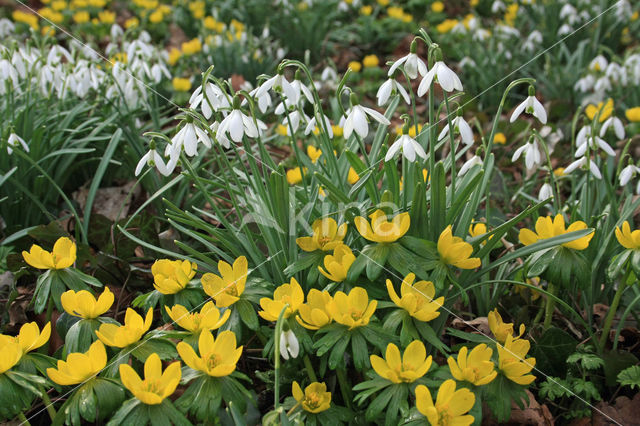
(294, 118)
(15, 140)
(627, 173)
(599, 63)
(188, 138)
(313, 124)
(473, 161)
(409, 147)
(357, 119)
(532, 106)
(460, 126)
(531, 154)
(582, 162)
(546, 192)
(153, 159)
(618, 127)
(301, 89)
(279, 82)
(289, 346)
(236, 125)
(413, 65)
(387, 88)
(443, 75)
(595, 142)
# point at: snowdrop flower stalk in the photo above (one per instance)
(532, 106)
(357, 119)
(413, 65)
(408, 145)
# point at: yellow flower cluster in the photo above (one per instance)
(546, 227)
(602, 110)
(399, 14)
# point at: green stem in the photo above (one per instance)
(549, 307)
(23, 419)
(612, 312)
(49, 309)
(345, 389)
(48, 405)
(276, 353)
(309, 367)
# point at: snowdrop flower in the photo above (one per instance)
(56, 53)
(153, 159)
(264, 101)
(602, 84)
(497, 6)
(595, 142)
(328, 74)
(534, 39)
(8, 72)
(236, 125)
(357, 119)
(289, 346)
(564, 30)
(459, 125)
(599, 63)
(279, 82)
(302, 89)
(618, 127)
(388, 87)
(13, 142)
(582, 162)
(6, 28)
(567, 11)
(481, 34)
(413, 65)
(546, 192)
(447, 79)
(585, 84)
(473, 161)
(294, 118)
(188, 137)
(531, 152)
(313, 124)
(409, 147)
(531, 105)
(627, 173)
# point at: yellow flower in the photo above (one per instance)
(51, 15)
(107, 17)
(132, 330)
(62, 256)
(48, 31)
(59, 5)
(370, 61)
(315, 397)
(84, 305)
(353, 310)
(605, 110)
(294, 176)
(437, 6)
(337, 130)
(500, 138)
(131, 23)
(416, 298)
(207, 319)
(29, 338)
(446, 25)
(559, 172)
(192, 47)
(500, 329)
(171, 276)
(475, 367)
(450, 407)
(633, 114)
(227, 287)
(81, 17)
(512, 361)
(627, 238)
(384, 2)
(314, 314)
(366, 10)
(395, 12)
(474, 3)
(353, 176)
(10, 355)
(218, 357)
(156, 385)
(413, 364)
(339, 263)
(156, 17)
(181, 84)
(477, 230)
(454, 251)
(355, 66)
(381, 230)
(174, 55)
(313, 153)
(547, 228)
(287, 294)
(27, 18)
(79, 367)
(327, 235)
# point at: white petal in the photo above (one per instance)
(581, 150)
(625, 175)
(518, 111)
(360, 124)
(396, 64)
(403, 92)
(384, 92)
(539, 111)
(236, 128)
(393, 149)
(518, 153)
(425, 84)
(143, 161)
(377, 116)
(594, 170)
(578, 163)
(605, 147)
(465, 131)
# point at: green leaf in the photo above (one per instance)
(438, 200)
(615, 362)
(552, 350)
(247, 313)
(163, 347)
(376, 258)
(336, 357)
(360, 351)
(630, 377)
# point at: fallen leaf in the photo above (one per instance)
(624, 411)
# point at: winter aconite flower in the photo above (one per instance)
(512, 360)
(474, 367)
(413, 364)
(156, 385)
(29, 338)
(602, 110)
(627, 238)
(84, 305)
(416, 298)
(450, 407)
(315, 398)
(208, 318)
(218, 357)
(171, 276)
(314, 314)
(500, 329)
(382, 230)
(353, 310)
(327, 235)
(62, 256)
(455, 251)
(124, 335)
(290, 294)
(548, 228)
(11, 355)
(337, 266)
(227, 287)
(79, 367)
(633, 114)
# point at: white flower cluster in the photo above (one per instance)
(603, 76)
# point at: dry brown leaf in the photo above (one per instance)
(624, 411)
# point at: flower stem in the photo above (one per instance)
(549, 307)
(23, 419)
(612, 312)
(345, 389)
(48, 404)
(309, 367)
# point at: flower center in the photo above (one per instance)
(152, 386)
(213, 361)
(232, 290)
(312, 400)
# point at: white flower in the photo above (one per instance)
(545, 192)
(599, 63)
(357, 120)
(567, 11)
(618, 127)
(6, 27)
(581, 162)
(460, 126)
(294, 118)
(13, 142)
(313, 124)
(627, 173)
(153, 159)
(301, 89)
(188, 137)
(602, 84)
(279, 82)
(473, 161)
(413, 65)
(409, 146)
(328, 74)
(531, 105)
(497, 6)
(595, 143)
(564, 30)
(236, 125)
(289, 346)
(388, 87)
(531, 154)
(447, 79)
